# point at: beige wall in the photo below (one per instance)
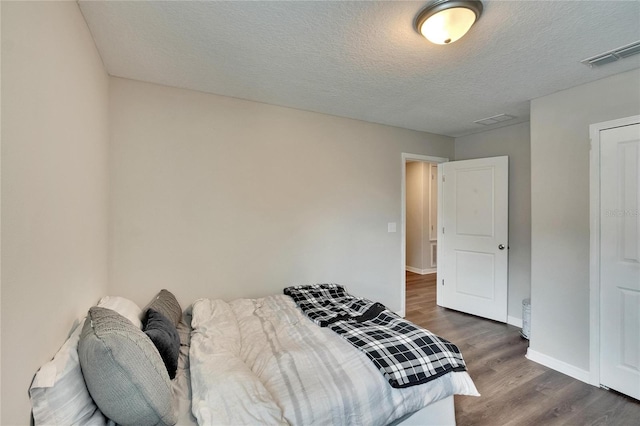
(54, 187)
(418, 213)
(426, 216)
(219, 197)
(560, 210)
(0, 214)
(513, 141)
(415, 218)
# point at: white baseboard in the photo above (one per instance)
(516, 322)
(561, 366)
(421, 271)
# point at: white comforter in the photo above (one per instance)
(261, 361)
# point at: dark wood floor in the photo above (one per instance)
(515, 391)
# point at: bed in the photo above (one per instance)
(258, 361)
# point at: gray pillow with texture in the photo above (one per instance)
(124, 372)
(164, 336)
(167, 304)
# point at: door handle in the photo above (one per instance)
(501, 246)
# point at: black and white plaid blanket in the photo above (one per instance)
(405, 354)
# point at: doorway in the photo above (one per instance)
(472, 204)
(419, 217)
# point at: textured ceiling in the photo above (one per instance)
(363, 59)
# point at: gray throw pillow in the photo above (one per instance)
(164, 336)
(123, 370)
(167, 304)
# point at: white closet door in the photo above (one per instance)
(620, 259)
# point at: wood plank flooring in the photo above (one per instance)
(515, 391)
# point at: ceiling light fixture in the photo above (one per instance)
(445, 21)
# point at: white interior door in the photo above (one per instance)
(473, 245)
(620, 259)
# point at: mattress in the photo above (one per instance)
(262, 361)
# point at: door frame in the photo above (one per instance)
(594, 249)
(403, 227)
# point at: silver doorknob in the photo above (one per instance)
(501, 246)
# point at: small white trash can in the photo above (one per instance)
(526, 318)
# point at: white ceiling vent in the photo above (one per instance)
(613, 55)
(495, 119)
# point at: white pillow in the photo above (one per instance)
(59, 395)
(124, 307)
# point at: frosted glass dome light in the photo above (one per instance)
(446, 21)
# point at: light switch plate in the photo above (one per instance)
(391, 227)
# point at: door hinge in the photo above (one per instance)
(443, 281)
(443, 230)
(443, 178)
